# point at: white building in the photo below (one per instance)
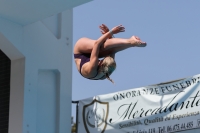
(36, 38)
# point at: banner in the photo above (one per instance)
(162, 108)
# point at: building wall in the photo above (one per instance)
(42, 52)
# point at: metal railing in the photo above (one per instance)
(77, 104)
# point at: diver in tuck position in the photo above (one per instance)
(87, 53)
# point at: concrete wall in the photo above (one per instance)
(41, 75)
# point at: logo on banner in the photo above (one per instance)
(95, 116)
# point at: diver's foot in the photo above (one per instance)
(136, 42)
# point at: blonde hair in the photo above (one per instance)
(107, 67)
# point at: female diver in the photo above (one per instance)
(87, 53)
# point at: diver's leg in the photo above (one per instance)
(114, 50)
(120, 42)
(85, 45)
(114, 45)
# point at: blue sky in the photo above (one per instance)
(170, 28)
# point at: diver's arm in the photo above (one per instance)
(94, 60)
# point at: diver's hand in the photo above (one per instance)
(104, 28)
(117, 29)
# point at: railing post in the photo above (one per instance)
(76, 102)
